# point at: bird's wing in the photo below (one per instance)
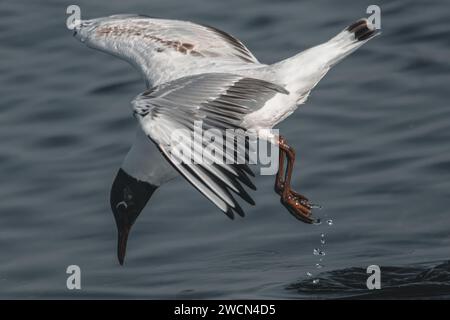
(168, 115)
(166, 45)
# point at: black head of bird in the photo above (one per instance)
(128, 198)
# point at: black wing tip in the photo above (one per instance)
(243, 52)
(239, 210)
(246, 180)
(229, 213)
(251, 202)
(247, 169)
(244, 195)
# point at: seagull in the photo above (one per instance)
(196, 72)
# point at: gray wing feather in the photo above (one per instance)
(220, 101)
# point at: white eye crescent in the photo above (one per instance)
(122, 204)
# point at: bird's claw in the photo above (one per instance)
(298, 205)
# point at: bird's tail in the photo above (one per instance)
(304, 70)
(350, 39)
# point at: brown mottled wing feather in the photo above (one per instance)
(188, 38)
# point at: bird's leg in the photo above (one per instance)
(279, 179)
(297, 204)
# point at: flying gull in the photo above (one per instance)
(195, 72)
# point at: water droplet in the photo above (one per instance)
(316, 281)
(318, 252)
(315, 206)
(317, 222)
(322, 241)
(319, 266)
(309, 274)
(330, 222)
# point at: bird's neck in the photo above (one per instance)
(145, 163)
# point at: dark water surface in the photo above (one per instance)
(373, 145)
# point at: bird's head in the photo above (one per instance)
(128, 197)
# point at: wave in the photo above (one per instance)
(406, 282)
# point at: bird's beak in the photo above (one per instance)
(124, 224)
(123, 233)
(125, 219)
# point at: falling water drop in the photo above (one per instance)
(322, 239)
(318, 252)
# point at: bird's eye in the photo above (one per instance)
(122, 205)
